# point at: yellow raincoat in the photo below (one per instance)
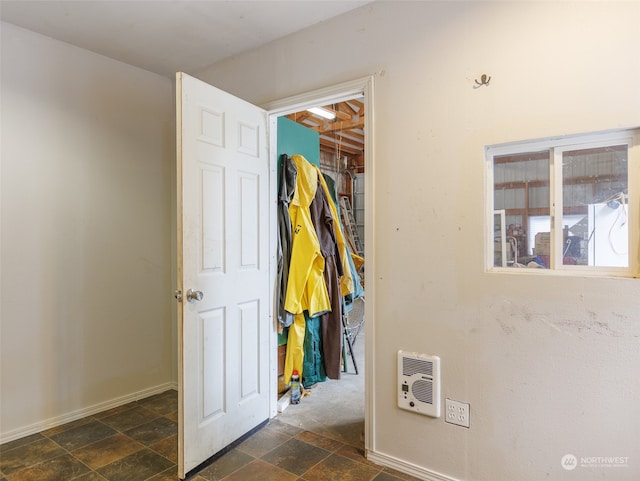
(306, 288)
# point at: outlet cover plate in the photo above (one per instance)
(456, 412)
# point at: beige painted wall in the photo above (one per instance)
(550, 365)
(87, 162)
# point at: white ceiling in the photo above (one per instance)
(166, 36)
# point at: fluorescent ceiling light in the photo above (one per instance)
(327, 114)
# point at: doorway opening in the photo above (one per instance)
(339, 120)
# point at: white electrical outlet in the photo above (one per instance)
(456, 412)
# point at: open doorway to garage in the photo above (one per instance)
(331, 136)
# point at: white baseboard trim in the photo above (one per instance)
(284, 401)
(81, 413)
(407, 468)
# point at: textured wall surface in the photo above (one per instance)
(87, 159)
(549, 364)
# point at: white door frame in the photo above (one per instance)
(329, 95)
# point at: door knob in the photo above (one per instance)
(194, 295)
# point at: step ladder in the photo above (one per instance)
(350, 225)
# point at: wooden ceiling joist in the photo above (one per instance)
(340, 125)
(330, 146)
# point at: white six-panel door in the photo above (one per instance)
(223, 224)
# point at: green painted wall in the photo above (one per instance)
(294, 138)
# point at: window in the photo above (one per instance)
(565, 204)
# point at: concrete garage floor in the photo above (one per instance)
(335, 408)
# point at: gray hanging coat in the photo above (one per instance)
(286, 187)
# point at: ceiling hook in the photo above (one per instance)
(484, 80)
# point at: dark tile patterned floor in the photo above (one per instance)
(138, 442)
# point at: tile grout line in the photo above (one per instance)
(64, 453)
(311, 467)
(89, 420)
(280, 429)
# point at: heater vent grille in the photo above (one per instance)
(419, 383)
(412, 366)
(423, 391)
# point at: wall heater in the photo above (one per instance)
(419, 383)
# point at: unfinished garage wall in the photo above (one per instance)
(87, 158)
(550, 365)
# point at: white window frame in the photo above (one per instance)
(556, 146)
